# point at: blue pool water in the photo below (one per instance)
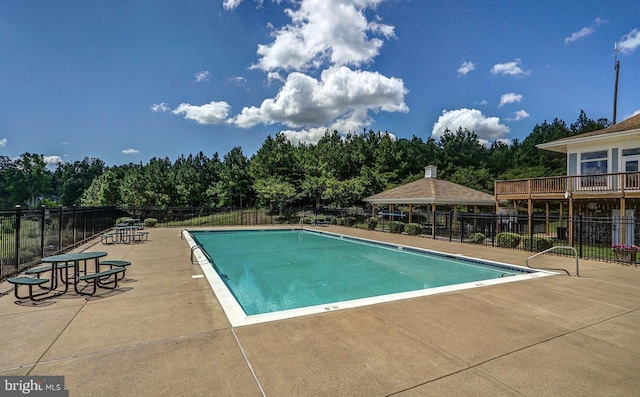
(274, 270)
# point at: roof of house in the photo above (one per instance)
(628, 126)
(432, 191)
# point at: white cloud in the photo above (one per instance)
(630, 41)
(52, 160)
(509, 69)
(231, 4)
(509, 97)
(465, 68)
(321, 31)
(311, 136)
(486, 128)
(130, 151)
(160, 107)
(584, 32)
(275, 76)
(202, 76)
(332, 37)
(250, 117)
(521, 115)
(340, 94)
(3, 142)
(238, 80)
(210, 113)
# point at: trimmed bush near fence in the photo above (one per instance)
(151, 222)
(477, 238)
(372, 223)
(396, 227)
(413, 229)
(538, 244)
(508, 240)
(123, 219)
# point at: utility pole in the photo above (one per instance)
(615, 90)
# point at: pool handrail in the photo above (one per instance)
(197, 246)
(558, 247)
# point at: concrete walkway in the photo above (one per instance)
(163, 333)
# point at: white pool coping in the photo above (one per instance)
(238, 318)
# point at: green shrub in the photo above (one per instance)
(340, 221)
(123, 219)
(538, 244)
(477, 238)
(150, 222)
(372, 223)
(396, 227)
(350, 221)
(508, 240)
(413, 229)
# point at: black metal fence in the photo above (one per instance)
(28, 235)
(612, 238)
(597, 238)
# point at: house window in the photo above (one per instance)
(631, 165)
(593, 163)
(631, 152)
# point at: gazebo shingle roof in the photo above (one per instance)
(432, 191)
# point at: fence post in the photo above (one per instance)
(17, 241)
(580, 233)
(530, 223)
(60, 229)
(494, 228)
(42, 221)
(73, 223)
(84, 224)
(450, 226)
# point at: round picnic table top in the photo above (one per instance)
(74, 256)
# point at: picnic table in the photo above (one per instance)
(125, 234)
(75, 258)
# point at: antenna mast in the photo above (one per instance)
(615, 91)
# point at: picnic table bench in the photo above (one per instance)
(29, 281)
(97, 279)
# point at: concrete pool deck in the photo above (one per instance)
(164, 333)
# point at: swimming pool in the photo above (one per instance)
(261, 275)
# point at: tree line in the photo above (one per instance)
(337, 171)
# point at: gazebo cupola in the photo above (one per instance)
(430, 171)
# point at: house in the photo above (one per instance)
(603, 179)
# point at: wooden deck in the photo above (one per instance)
(617, 185)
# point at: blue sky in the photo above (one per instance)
(128, 80)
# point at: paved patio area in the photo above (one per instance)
(163, 333)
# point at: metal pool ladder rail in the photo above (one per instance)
(197, 246)
(575, 252)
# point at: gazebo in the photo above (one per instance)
(431, 192)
